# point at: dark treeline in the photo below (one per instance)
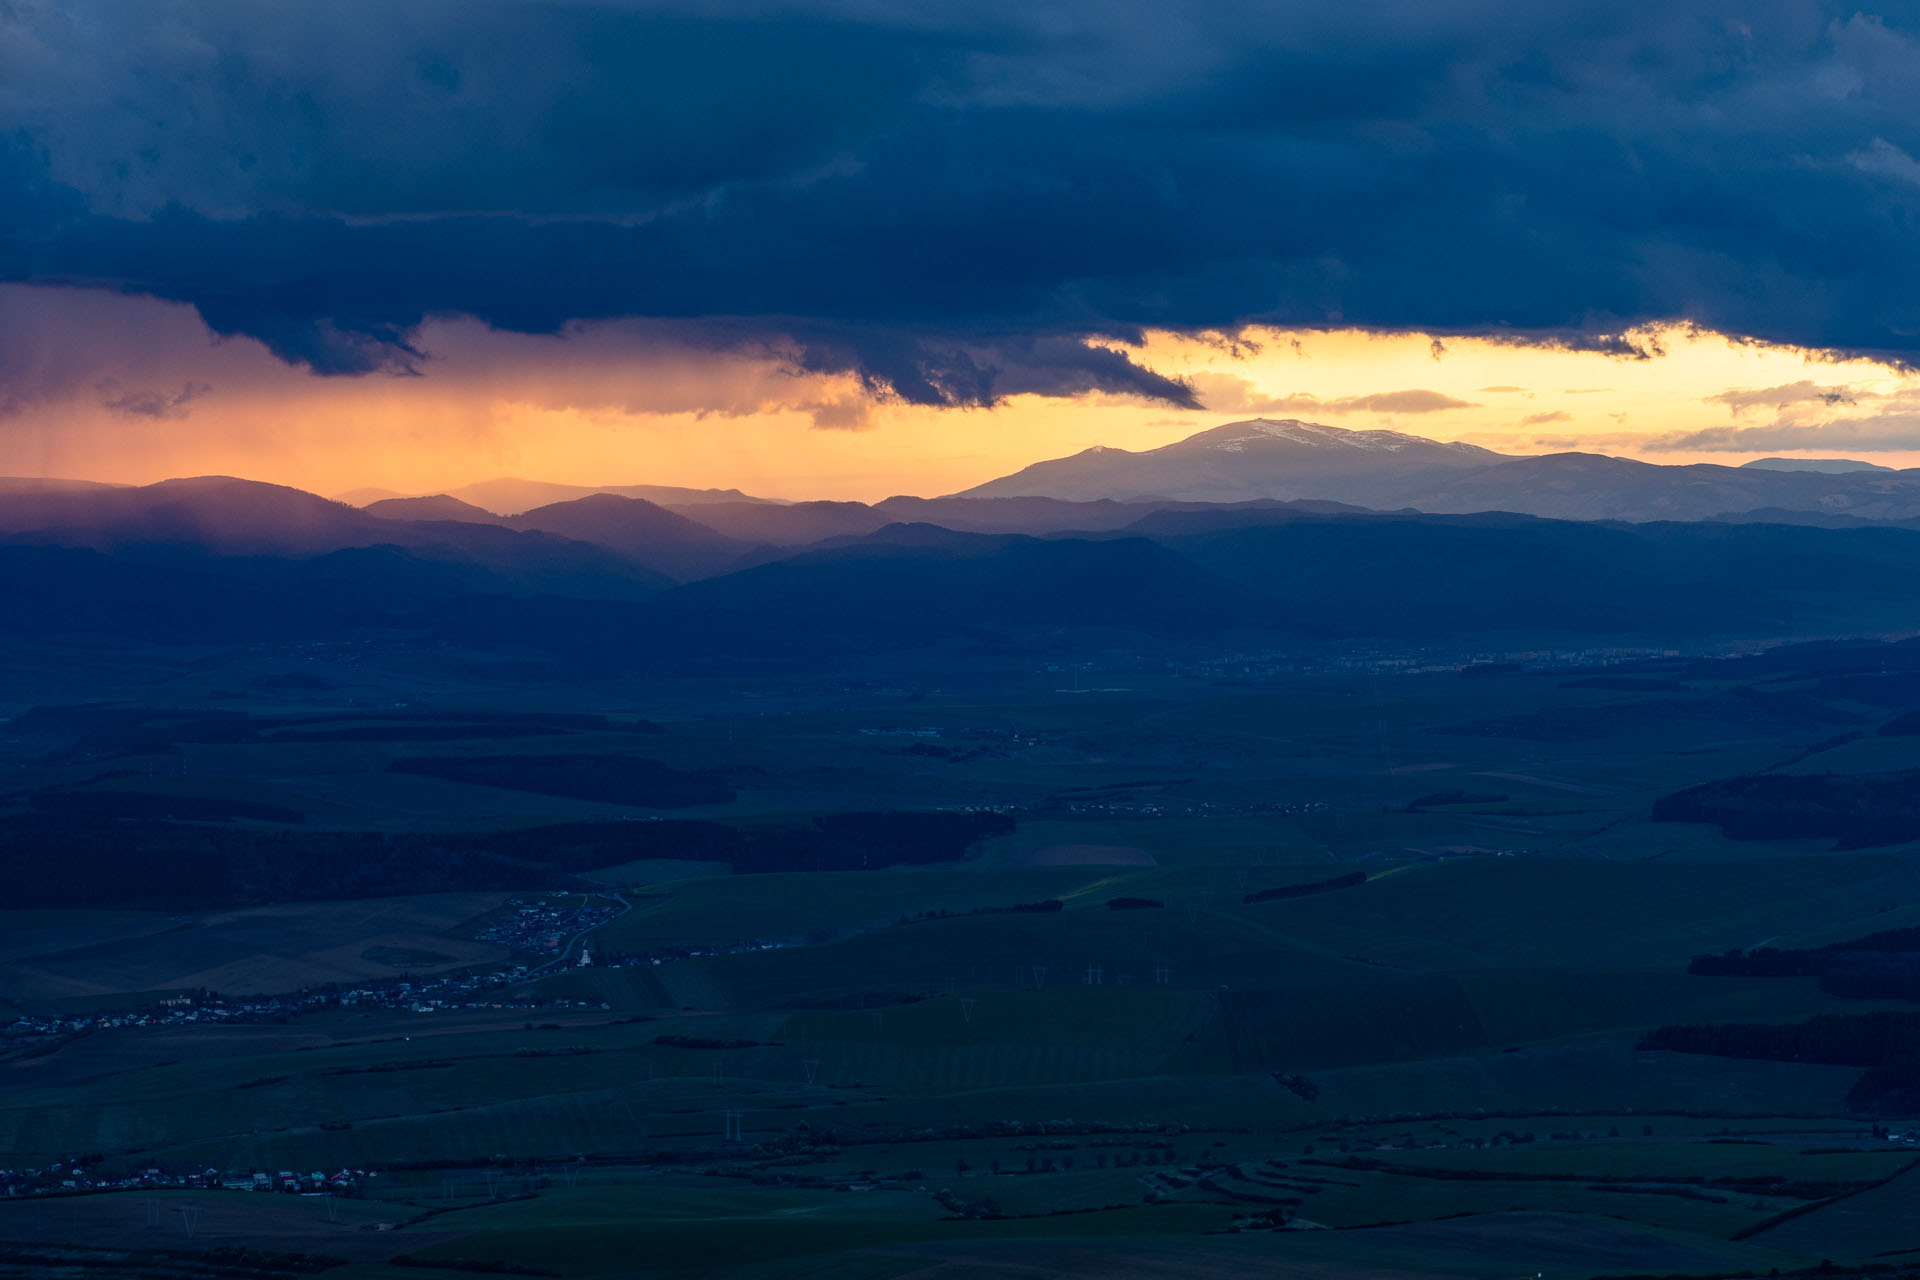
(1830, 1039)
(1855, 810)
(705, 1042)
(1887, 1044)
(82, 862)
(1883, 965)
(610, 779)
(830, 842)
(61, 802)
(1348, 881)
(854, 841)
(1438, 798)
(75, 861)
(102, 731)
(1771, 1184)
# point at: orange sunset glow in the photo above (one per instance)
(615, 403)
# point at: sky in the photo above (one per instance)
(845, 248)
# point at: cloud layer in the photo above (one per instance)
(956, 204)
(1226, 392)
(1892, 432)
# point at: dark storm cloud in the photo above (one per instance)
(933, 370)
(958, 203)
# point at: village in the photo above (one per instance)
(540, 932)
(525, 924)
(418, 995)
(74, 1177)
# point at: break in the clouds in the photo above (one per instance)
(959, 203)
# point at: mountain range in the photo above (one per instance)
(1258, 460)
(1832, 466)
(619, 581)
(1262, 458)
(1474, 543)
(507, 496)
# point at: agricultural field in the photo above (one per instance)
(260, 949)
(1324, 975)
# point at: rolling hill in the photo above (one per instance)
(1588, 486)
(662, 540)
(436, 506)
(510, 496)
(228, 527)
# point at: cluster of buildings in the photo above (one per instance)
(467, 990)
(543, 926)
(419, 995)
(529, 926)
(71, 1177)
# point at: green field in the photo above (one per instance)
(888, 1072)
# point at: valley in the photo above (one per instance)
(918, 1059)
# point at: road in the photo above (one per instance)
(566, 950)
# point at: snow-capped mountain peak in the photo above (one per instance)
(1252, 458)
(1236, 436)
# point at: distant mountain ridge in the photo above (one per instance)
(508, 496)
(1831, 466)
(10, 485)
(1258, 458)
(1256, 471)
(710, 532)
(643, 531)
(222, 517)
(1592, 486)
(436, 506)
(1257, 574)
(623, 581)
(1291, 460)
